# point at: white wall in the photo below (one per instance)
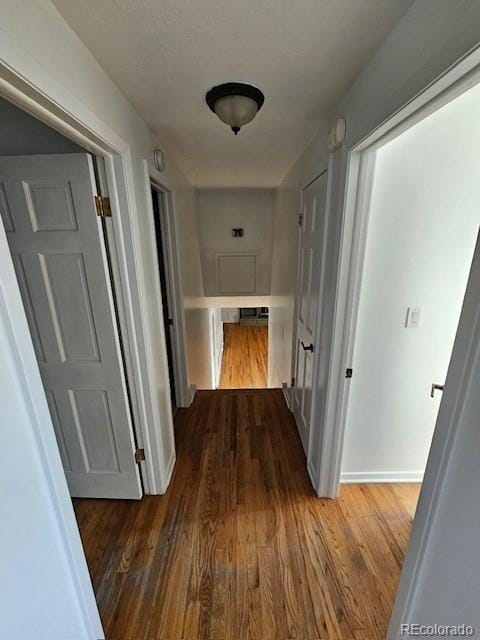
(216, 324)
(220, 210)
(423, 225)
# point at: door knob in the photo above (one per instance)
(309, 348)
(436, 387)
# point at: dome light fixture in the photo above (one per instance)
(235, 103)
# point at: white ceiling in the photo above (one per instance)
(165, 55)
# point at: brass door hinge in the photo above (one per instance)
(102, 205)
(139, 455)
(300, 219)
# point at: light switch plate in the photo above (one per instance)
(413, 317)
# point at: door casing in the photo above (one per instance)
(184, 394)
(317, 294)
(115, 154)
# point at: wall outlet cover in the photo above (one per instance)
(413, 317)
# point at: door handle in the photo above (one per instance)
(436, 387)
(309, 348)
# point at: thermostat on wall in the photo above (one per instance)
(413, 317)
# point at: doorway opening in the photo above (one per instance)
(421, 225)
(54, 209)
(240, 347)
(423, 222)
(159, 216)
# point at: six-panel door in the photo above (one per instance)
(47, 207)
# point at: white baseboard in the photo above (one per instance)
(381, 476)
(218, 371)
(313, 476)
(193, 390)
(168, 472)
(286, 394)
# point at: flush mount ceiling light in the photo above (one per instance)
(235, 103)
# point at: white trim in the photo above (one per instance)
(192, 390)
(218, 365)
(174, 284)
(354, 209)
(359, 172)
(121, 304)
(351, 477)
(286, 390)
(169, 472)
(312, 473)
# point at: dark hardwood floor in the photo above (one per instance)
(240, 547)
(245, 357)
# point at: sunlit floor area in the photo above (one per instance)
(240, 547)
(245, 356)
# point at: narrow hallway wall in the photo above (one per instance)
(218, 212)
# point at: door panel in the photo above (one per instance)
(56, 240)
(308, 292)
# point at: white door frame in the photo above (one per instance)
(116, 154)
(360, 168)
(183, 393)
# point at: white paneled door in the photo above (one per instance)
(307, 306)
(56, 240)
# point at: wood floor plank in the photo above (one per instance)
(240, 547)
(245, 356)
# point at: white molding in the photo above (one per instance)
(312, 474)
(286, 390)
(175, 287)
(192, 392)
(360, 477)
(218, 365)
(169, 472)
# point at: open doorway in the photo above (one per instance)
(423, 223)
(159, 211)
(244, 352)
(54, 218)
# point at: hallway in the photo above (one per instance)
(240, 547)
(245, 356)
